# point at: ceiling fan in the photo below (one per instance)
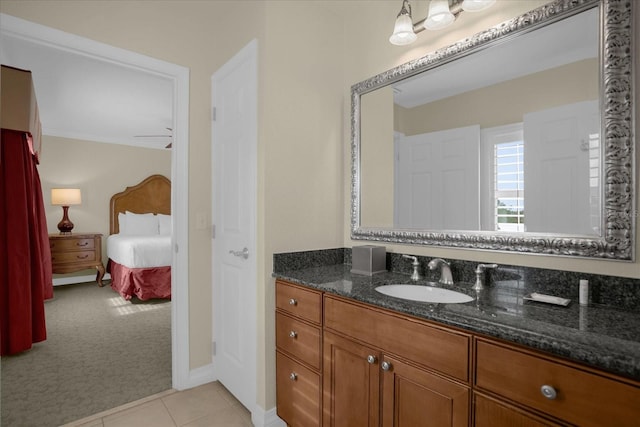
(159, 136)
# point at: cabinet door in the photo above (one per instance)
(492, 413)
(351, 389)
(413, 397)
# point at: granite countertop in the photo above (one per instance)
(596, 335)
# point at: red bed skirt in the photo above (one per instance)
(144, 283)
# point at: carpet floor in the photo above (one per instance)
(101, 352)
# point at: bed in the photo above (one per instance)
(139, 242)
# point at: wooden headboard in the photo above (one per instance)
(153, 195)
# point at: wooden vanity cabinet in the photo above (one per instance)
(344, 363)
(298, 355)
(369, 380)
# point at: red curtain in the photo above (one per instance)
(25, 256)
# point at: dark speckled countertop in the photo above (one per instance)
(596, 335)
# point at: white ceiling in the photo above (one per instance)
(92, 99)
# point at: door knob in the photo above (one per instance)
(372, 359)
(385, 366)
(293, 334)
(244, 253)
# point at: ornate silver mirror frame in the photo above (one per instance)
(617, 92)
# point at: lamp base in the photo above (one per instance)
(65, 225)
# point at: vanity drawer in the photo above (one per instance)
(442, 350)
(299, 339)
(583, 398)
(300, 302)
(297, 393)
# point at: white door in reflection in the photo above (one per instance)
(561, 160)
(437, 180)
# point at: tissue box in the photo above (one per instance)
(368, 259)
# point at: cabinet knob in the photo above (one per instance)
(372, 359)
(293, 302)
(293, 376)
(549, 392)
(386, 366)
(293, 334)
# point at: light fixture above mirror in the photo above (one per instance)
(442, 13)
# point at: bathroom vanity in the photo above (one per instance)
(349, 356)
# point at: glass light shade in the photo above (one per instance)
(403, 31)
(439, 15)
(65, 196)
(476, 5)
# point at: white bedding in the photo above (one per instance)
(139, 251)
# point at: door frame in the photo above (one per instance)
(247, 56)
(50, 37)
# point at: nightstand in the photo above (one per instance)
(75, 252)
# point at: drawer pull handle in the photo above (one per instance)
(372, 359)
(386, 366)
(82, 256)
(82, 244)
(293, 376)
(549, 392)
(293, 302)
(293, 334)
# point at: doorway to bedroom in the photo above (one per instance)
(47, 42)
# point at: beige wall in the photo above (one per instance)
(300, 152)
(370, 53)
(99, 170)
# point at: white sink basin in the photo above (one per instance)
(424, 293)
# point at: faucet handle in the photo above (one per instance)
(479, 285)
(415, 276)
(411, 257)
(482, 267)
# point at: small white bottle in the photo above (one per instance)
(584, 292)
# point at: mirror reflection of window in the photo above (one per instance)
(509, 186)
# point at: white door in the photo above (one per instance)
(437, 183)
(234, 160)
(559, 152)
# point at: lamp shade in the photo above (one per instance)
(65, 196)
(403, 29)
(439, 16)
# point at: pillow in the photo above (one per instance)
(141, 224)
(165, 224)
(122, 223)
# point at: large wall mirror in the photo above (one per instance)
(518, 138)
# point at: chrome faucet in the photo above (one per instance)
(479, 275)
(445, 270)
(415, 276)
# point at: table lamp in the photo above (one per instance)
(65, 197)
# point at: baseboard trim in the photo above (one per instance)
(58, 281)
(262, 418)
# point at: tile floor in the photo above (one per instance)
(209, 405)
